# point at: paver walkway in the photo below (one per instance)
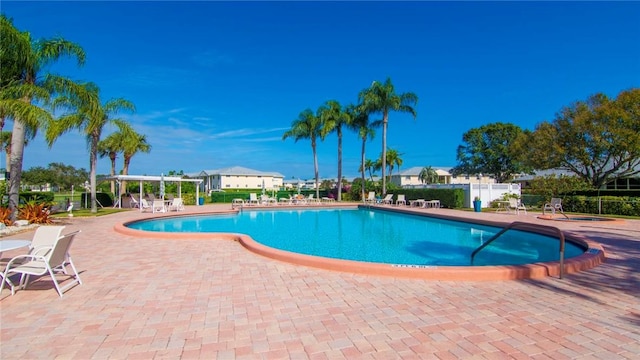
(169, 299)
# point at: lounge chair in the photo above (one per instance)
(517, 205)
(312, 201)
(267, 200)
(388, 199)
(133, 202)
(253, 199)
(45, 236)
(553, 205)
(371, 199)
(46, 261)
(176, 204)
(158, 206)
(144, 205)
(401, 200)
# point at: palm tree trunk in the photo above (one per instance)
(385, 119)
(315, 166)
(92, 173)
(339, 131)
(15, 164)
(112, 157)
(125, 171)
(364, 142)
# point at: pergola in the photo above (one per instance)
(151, 178)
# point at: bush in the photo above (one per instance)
(35, 213)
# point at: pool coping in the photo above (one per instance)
(593, 256)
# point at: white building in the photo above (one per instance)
(411, 177)
(238, 177)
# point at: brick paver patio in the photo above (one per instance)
(168, 299)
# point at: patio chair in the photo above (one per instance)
(133, 202)
(267, 200)
(517, 205)
(388, 199)
(401, 200)
(371, 198)
(47, 261)
(311, 200)
(144, 205)
(158, 206)
(553, 205)
(253, 199)
(176, 204)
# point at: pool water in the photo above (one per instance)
(373, 236)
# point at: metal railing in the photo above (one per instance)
(529, 226)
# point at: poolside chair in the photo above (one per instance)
(401, 200)
(158, 206)
(517, 205)
(371, 199)
(253, 199)
(133, 202)
(311, 200)
(388, 199)
(267, 200)
(47, 261)
(555, 204)
(144, 205)
(45, 236)
(176, 204)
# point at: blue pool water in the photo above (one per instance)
(373, 236)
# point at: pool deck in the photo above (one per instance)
(145, 298)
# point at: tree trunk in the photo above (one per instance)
(15, 164)
(125, 171)
(364, 189)
(385, 119)
(315, 166)
(112, 157)
(93, 160)
(339, 131)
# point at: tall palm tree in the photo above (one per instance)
(393, 158)
(382, 98)
(5, 143)
(333, 118)
(23, 87)
(371, 166)
(307, 126)
(112, 145)
(360, 124)
(88, 114)
(133, 143)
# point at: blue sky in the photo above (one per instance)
(216, 84)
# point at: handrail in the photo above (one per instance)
(525, 225)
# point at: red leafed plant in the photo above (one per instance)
(35, 213)
(5, 216)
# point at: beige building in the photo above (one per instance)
(411, 177)
(238, 177)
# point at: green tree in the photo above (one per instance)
(597, 139)
(25, 62)
(112, 145)
(382, 98)
(333, 119)
(372, 166)
(393, 158)
(552, 186)
(307, 126)
(360, 124)
(85, 112)
(428, 175)
(133, 144)
(490, 149)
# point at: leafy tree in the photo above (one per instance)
(112, 145)
(393, 159)
(333, 118)
(551, 186)
(372, 166)
(598, 139)
(88, 114)
(133, 143)
(307, 126)
(23, 88)
(56, 174)
(428, 175)
(360, 124)
(326, 184)
(382, 98)
(490, 149)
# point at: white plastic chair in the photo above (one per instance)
(388, 199)
(555, 204)
(176, 204)
(401, 200)
(371, 198)
(47, 260)
(158, 206)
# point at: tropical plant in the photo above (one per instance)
(133, 143)
(35, 213)
(372, 166)
(428, 175)
(360, 124)
(393, 159)
(110, 147)
(85, 112)
(333, 118)
(307, 126)
(23, 63)
(382, 98)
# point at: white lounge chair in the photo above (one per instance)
(253, 199)
(555, 204)
(401, 200)
(158, 206)
(312, 201)
(133, 202)
(267, 200)
(176, 205)
(388, 199)
(517, 205)
(371, 199)
(47, 261)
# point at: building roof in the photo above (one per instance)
(415, 171)
(235, 170)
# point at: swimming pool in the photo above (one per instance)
(368, 235)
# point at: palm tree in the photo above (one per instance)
(428, 175)
(371, 167)
(307, 126)
(382, 98)
(88, 114)
(133, 144)
(333, 119)
(111, 146)
(393, 158)
(24, 62)
(5, 142)
(360, 124)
